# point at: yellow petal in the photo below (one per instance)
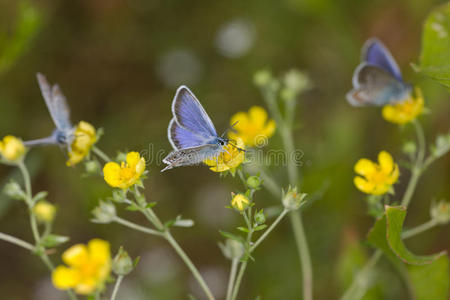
(85, 288)
(99, 251)
(65, 278)
(363, 185)
(111, 173)
(258, 115)
(270, 128)
(386, 162)
(140, 167)
(394, 175)
(77, 255)
(86, 128)
(133, 159)
(364, 167)
(380, 189)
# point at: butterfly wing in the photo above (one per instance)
(56, 104)
(181, 138)
(376, 54)
(191, 156)
(376, 86)
(190, 115)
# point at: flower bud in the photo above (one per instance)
(232, 249)
(409, 148)
(240, 202)
(12, 149)
(260, 217)
(262, 78)
(254, 182)
(440, 212)
(292, 200)
(295, 82)
(13, 190)
(104, 213)
(92, 167)
(44, 211)
(122, 263)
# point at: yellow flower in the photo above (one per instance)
(376, 179)
(44, 211)
(85, 137)
(12, 148)
(239, 202)
(127, 173)
(88, 267)
(252, 127)
(230, 159)
(405, 111)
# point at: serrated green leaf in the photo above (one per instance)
(435, 57)
(386, 235)
(430, 281)
(53, 240)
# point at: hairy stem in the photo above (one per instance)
(233, 270)
(101, 154)
(16, 241)
(116, 287)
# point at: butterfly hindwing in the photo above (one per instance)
(375, 86)
(189, 114)
(191, 156)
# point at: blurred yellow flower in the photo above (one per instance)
(230, 159)
(376, 179)
(127, 173)
(88, 267)
(12, 148)
(85, 137)
(405, 111)
(252, 127)
(240, 202)
(44, 211)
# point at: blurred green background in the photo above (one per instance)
(119, 63)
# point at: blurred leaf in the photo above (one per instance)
(53, 240)
(386, 235)
(229, 235)
(431, 281)
(260, 227)
(29, 21)
(435, 55)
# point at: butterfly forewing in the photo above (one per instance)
(181, 138)
(375, 53)
(189, 114)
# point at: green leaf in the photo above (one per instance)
(430, 281)
(40, 196)
(260, 227)
(386, 235)
(243, 229)
(150, 205)
(434, 57)
(229, 235)
(53, 240)
(132, 207)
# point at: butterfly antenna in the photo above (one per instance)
(235, 146)
(228, 129)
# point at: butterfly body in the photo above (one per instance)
(56, 102)
(377, 80)
(191, 132)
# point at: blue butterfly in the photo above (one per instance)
(56, 102)
(377, 80)
(191, 132)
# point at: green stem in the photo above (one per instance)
(419, 229)
(136, 226)
(16, 241)
(268, 230)
(189, 264)
(116, 287)
(234, 265)
(101, 154)
(239, 279)
(421, 142)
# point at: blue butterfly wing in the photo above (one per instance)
(181, 138)
(376, 86)
(376, 54)
(190, 115)
(56, 103)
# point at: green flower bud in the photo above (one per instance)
(409, 148)
(260, 217)
(440, 212)
(13, 190)
(262, 78)
(254, 182)
(296, 82)
(104, 213)
(122, 263)
(292, 200)
(92, 167)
